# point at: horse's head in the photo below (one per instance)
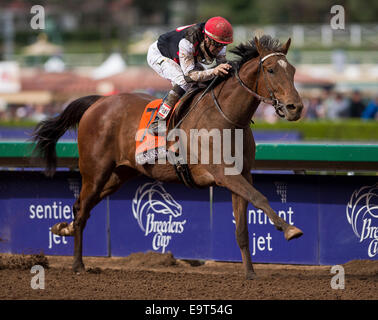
(276, 77)
(272, 77)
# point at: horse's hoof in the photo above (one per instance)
(77, 269)
(251, 276)
(292, 233)
(63, 229)
(56, 228)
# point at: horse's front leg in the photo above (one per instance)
(240, 186)
(240, 212)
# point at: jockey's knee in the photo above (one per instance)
(180, 82)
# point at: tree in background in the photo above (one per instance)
(288, 11)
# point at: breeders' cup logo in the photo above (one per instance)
(362, 213)
(157, 213)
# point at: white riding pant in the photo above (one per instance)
(165, 67)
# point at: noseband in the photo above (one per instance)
(278, 106)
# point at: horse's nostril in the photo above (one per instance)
(290, 107)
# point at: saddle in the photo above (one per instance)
(150, 148)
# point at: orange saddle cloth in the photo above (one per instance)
(148, 146)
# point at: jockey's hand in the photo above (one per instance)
(222, 69)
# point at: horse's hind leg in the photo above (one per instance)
(91, 194)
(118, 177)
(89, 197)
(65, 229)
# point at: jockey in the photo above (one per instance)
(179, 56)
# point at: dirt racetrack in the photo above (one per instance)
(154, 276)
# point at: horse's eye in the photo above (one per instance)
(270, 70)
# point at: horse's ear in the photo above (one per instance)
(286, 46)
(258, 47)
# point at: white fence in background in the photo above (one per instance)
(311, 44)
(306, 35)
(354, 35)
(73, 60)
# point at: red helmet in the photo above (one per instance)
(219, 29)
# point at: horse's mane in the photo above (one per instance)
(248, 51)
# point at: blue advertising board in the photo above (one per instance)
(151, 215)
(348, 219)
(337, 214)
(292, 200)
(31, 204)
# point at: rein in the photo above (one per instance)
(278, 106)
(195, 104)
(223, 114)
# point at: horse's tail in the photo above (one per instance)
(47, 133)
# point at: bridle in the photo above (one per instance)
(278, 106)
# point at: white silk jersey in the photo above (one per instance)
(194, 69)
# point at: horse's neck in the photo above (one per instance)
(236, 102)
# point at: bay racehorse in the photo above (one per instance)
(107, 129)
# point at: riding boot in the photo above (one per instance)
(158, 126)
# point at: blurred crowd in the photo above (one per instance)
(330, 105)
(336, 105)
(31, 112)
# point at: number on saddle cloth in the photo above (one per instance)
(149, 147)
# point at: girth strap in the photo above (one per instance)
(182, 170)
